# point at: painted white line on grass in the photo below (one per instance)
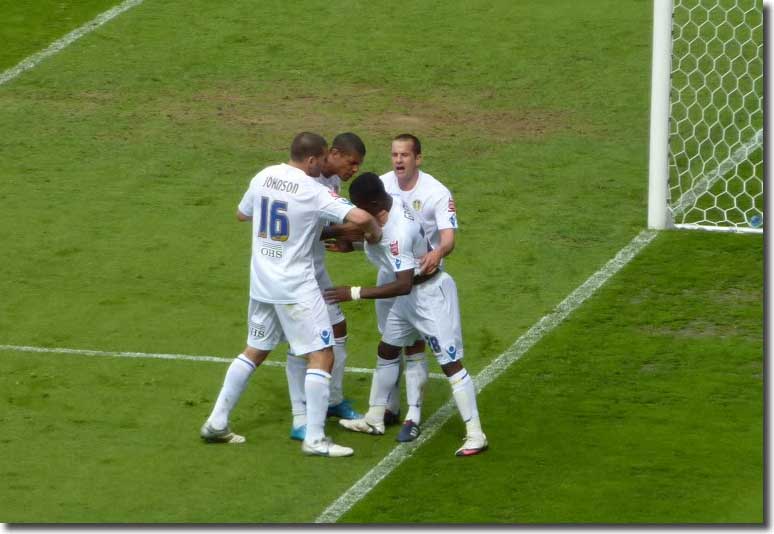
(156, 356)
(67, 40)
(402, 451)
(688, 199)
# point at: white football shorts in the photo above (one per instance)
(335, 313)
(305, 325)
(430, 311)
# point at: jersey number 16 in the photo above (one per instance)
(274, 220)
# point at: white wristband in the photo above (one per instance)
(354, 292)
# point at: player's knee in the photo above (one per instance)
(452, 368)
(387, 351)
(340, 329)
(321, 359)
(255, 355)
(417, 348)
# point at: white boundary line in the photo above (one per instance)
(157, 356)
(65, 41)
(402, 451)
(703, 184)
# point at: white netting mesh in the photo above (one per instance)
(716, 116)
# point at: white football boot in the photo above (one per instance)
(225, 435)
(325, 447)
(363, 425)
(474, 444)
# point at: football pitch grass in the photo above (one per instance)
(130, 150)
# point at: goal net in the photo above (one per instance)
(713, 161)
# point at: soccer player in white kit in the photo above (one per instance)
(434, 208)
(343, 161)
(287, 208)
(423, 305)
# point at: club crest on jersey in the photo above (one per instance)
(394, 248)
(416, 204)
(325, 335)
(338, 197)
(452, 206)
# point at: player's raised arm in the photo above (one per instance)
(372, 232)
(349, 231)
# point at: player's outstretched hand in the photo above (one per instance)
(337, 294)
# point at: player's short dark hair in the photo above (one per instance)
(413, 139)
(349, 143)
(367, 187)
(307, 144)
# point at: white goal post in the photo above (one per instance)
(706, 123)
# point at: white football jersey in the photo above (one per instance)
(288, 208)
(403, 242)
(333, 183)
(430, 201)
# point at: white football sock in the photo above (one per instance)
(234, 384)
(393, 403)
(296, 374)
(385, 376)
(416, 378)
(464, 392)
(337, 373)
(317, 385)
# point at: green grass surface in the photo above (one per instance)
(645, 407)
(128, 152)
(29, 27)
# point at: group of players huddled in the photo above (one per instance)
(405, 222)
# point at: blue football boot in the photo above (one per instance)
(344, 410)
(409, 431)
(298, 432)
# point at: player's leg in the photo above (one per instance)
(339, 406)
(263, 334)
(295, 371)
(308, 330)
(382, 382)
(464, 391)
(383, 307)
(392, 413)
(416, 378)
(396, 333)
(438, 318)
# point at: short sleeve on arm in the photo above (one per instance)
(334, 208)
(445, 211)
(401, 253)
(246, 205)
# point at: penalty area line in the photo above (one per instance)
(159, 356)
(400, 452)
(62, 43)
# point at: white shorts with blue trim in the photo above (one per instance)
(335, 313)
(305, 325)
(430, 311)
